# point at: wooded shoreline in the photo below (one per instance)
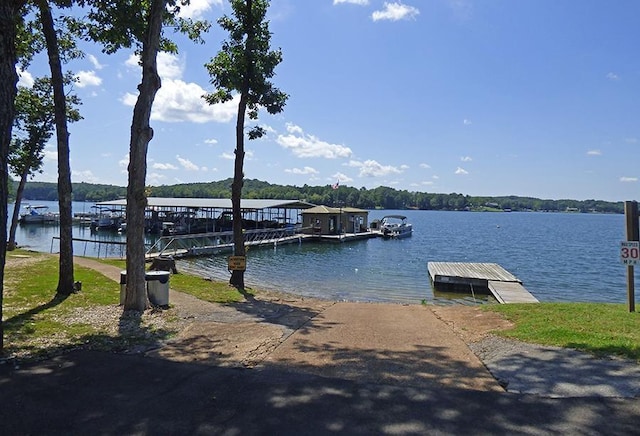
(379, 198)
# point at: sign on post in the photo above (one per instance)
(630, 252)
(237, 263)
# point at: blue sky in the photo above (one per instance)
(495, 97)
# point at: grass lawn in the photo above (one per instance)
(598, 328)
(38, 324)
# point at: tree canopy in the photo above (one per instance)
(378, 198)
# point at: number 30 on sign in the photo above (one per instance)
(630, 252)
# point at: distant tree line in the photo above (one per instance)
(378, 198)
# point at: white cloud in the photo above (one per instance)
(50, 153)
(342, 178)
(427, 183)
(170, 66)
(466, 159)
(628, 179)
(155, 179)
(164, 166)
(371, 168)
(304, 145)
(133, 62)
(631, 140)
(198, 8)
(425, 166)
(178, 101)
(613, 76)
(229, 156)
(94, 61)
(395, 12)
(294, 129)
(594, 153)
(353, 2)
(461, 171)
(211, 141)
(84, 176)
(466, 122)
(305, 170)
(25, 78)
(187, 164)
(124, 162)
(88, 78)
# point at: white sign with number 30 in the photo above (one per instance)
(630, 252)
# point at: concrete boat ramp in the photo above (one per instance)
(504, 286)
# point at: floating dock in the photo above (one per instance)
(504, 286)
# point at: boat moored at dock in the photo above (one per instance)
(395, 227)
(38, 215)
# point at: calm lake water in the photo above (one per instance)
(558, 256)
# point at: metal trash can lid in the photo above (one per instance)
(161, 276)
(123, 277)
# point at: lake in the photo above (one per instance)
(558, 256)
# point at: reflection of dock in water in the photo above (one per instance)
(491, 277)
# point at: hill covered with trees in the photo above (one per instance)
(378, 198)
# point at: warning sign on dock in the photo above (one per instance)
(237, 263)
(630, 252)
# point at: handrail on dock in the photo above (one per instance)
(95, 241)
(215, 242)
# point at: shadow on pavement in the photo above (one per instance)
(88, 392)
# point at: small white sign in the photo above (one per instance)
(630, 252)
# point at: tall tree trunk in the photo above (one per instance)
(11, 245)
(65, 274)
(141, 134)
(9, 16)
(237, 276)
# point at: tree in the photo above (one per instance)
(244, 65)
(65, 274)
(126, 23)
(34, 124)
(10, 20)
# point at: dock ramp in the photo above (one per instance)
(504, 286)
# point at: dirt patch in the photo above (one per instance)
(222, 344)
(471, 323)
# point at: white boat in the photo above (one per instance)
(107, 219)
(38, 215)
(395, 226)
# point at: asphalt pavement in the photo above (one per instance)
(89, 392)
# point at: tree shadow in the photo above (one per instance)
(107, 393)
(19, 320)
(558, 372)
(291, 315)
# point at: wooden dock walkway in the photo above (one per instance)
(504, 286)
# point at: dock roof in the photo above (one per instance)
(318, 210)
(215, 203)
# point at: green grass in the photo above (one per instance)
(38, 323)
(204, 289)
(598, 328)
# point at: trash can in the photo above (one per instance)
(158, 287)
(123, 286)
